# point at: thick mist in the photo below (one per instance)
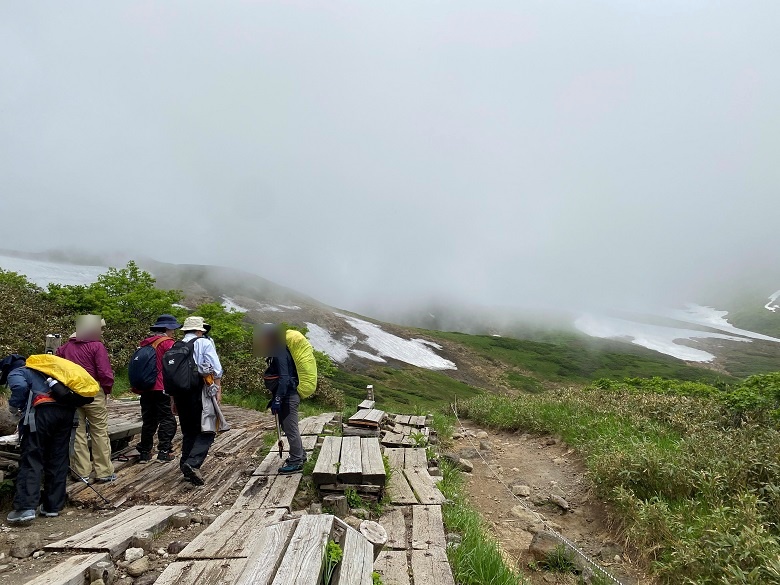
(377, 155)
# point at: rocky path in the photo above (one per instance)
(549, 478)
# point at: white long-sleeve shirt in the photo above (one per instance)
(205, 354)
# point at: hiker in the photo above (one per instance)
(87, 350)
(45, 426)
(291, 374)
(189, 367)
(155, 404)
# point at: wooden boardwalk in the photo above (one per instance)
(350, 462)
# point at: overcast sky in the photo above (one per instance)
(528, 152)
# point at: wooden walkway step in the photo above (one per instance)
(72, 570)
(350, 460)
(427, 527)
(414, 421)
(234, 534)
(393, 567)
(210, 572)
(398, 488)
(366, 417)
(431, 567)
(268, 491)
(394, 523)
(424, 486)
(314, 425)
(367, 405)
(114, 535)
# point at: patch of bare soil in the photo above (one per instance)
(549, 469)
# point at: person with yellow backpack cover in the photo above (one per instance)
(290, 375)
(45, 393)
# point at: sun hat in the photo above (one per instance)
(165, 322)
(194, 324)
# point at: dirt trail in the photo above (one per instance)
(548, 467)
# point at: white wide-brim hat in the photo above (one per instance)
(194, 324)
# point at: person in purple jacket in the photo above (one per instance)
(87, 350)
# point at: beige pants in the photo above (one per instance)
(97, 415)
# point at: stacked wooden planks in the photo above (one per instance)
(369, 418)
(350, 462)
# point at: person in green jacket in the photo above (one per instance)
(291, 374)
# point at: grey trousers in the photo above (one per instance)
(288, 418)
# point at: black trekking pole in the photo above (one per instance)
(89, 485)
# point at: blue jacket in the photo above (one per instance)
(22, 381)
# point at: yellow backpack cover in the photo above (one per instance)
(72, 375)
(303, 356)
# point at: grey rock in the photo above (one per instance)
(176, 546)
(465, 465)
(542, 544)
(453, 538)
(4, 568)
(609, 551)
(25, 544)
(315, 508)
(138, 567)
(147, 579)
(485, 446)
(468, 453)
(457, 436)
(482, 435)
(353, 522)
(551, 441)
(529, 521)
(133, 554)
(124, 581)
(197, 518)
(361, 513)
(98, 582)
(521, 490)
(560, 502)
(37, 554)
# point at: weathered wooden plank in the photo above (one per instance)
(399, 490)
(351, 467)
(393, 567)
(70, 571)
(375, 415)
(402, 418)
(309, 442)
(358, 487)
(431, 567)
(328, 463)
(360, 414)
(302, 563)
(357, 563)
(367, 405)
(396, 458)
(415, 458)
(427, 527)
(211, 572)
(270, 464)
(262, 564)
(417, 421)
(394, 524)
(424, 487)
(234, 534)
(268, 491)
(373, 467)
(349, 431)
(393, 439)
(314, 425)
(113, 536)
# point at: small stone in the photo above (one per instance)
(147, 579)
(4, 568)
(617, 558)
(315, 508)
(138, 567)
(560, 502)
(133, 554)
(361, 513)
(465, 465)
(456, 436)
(37, 554)
(196, 518)
(176, 546)
(98, 582)
(25, 544)
(453, 538)
(124, 581)
(529, 521)
(521, 490)
(559, 461)
(515, 470)
(161, 551)
(208, 518)
(482, 435)
(353, 522)
(485, 446)
(468, 453)
(551, 441)
(610, 550)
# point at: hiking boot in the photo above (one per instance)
(192, 475)
(290, 468)
(20, 516)
(144, 457)
(165, 456)
(108, 478)
(45, 514)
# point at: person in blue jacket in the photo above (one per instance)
(45, 432)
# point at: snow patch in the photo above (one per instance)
(323, 341)
(429, 343)
(268, 308)
(710, 317)
(391, 346)
(231, 305)
(772, 305)
(656, 337)
(44, 273)
(368, 356)
(290, 307)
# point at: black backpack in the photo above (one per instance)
(67, 397)
(142, 369)
(180, 372)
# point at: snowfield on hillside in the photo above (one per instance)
(772, 304)
(44, 273)
(709, 317)
(656, 337)
(231, 305)
(323, 341)
(410, 351)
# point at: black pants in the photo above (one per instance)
(157, 418)
(195, 444)
(45, 457)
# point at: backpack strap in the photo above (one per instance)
(158, 341)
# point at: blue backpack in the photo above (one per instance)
(142, 369)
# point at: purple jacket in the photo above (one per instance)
(93, 357)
